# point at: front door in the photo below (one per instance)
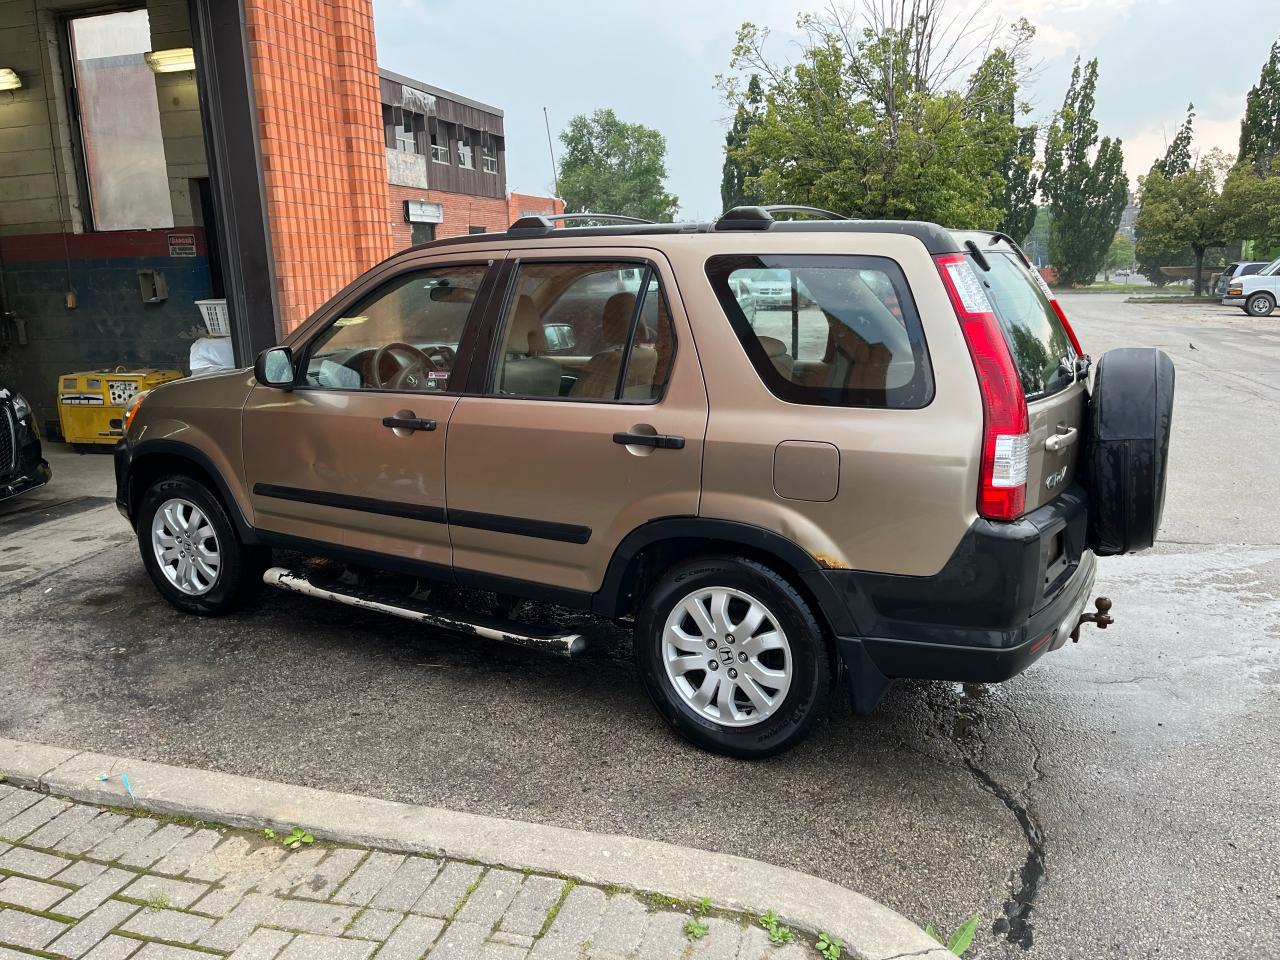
(353, 455)
(589, 420)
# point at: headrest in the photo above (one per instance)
(773, 347)
(617, 316)
(527, 335)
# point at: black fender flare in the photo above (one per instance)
(610, 599)
(129, 455)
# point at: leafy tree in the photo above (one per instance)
(1251, 207)
(1020, 186)
(1260, 129)
(614, 167)
(875, 116)
(1183, 213)
(1086, 196)
(993, 95)
(1177, 155)
(1119, 255)
(1152, 256)
(738, 168)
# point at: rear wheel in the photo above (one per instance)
(191, 550)
(732, 657)
(1260, 305)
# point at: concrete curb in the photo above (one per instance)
(867, 928)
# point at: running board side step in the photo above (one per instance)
(525, 635)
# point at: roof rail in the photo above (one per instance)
(543, 222)
(816, 212)
(761, 218)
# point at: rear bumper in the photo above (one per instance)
(1009, 593)
(1047, 630)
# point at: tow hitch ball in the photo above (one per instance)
(1102, 618)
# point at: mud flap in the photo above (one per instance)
(867, 685)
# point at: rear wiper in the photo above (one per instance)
(997, 235)
(977, 256)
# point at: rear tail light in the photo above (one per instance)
(1006, 439)
(1057, 308)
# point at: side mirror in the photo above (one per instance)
(274, 367)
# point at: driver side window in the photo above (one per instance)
(401, 337)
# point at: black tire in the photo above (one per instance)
(806, 700)
(1126, 455)
(1260, 305)
(239, 574)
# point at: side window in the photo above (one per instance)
(402, 337)
(827, 330)
(585, 331)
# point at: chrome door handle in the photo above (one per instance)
(1060, 441)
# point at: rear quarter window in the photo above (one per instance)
(827, 330)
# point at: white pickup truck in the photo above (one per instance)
(1258, 294)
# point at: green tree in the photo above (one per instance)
(994, 109)
(614, 167)
(1153, 256)
(1184, 213)
(873, 117)
(1085, 195)
(1177, 155)
(738, 167)
(1020, 186)
(1260, 129)
(1251, 207)
(1119, 256)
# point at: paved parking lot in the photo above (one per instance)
(1119, 799)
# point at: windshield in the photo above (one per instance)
(1270, 268)
(1040, 346)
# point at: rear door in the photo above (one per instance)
(1056, 394)
(557, 452)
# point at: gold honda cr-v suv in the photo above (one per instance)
(783, 450)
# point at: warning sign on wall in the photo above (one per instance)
(182, 244)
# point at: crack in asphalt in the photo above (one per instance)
(1016, 925)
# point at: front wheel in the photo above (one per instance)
(191, 550)
(1260, 305)
(733, 657)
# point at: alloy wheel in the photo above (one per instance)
(186, 547)
(727, 656)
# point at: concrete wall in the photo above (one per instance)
(46, 246)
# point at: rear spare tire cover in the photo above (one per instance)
(1126, 455)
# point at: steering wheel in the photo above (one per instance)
(411, 366)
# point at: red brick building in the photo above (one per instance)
(446, 164)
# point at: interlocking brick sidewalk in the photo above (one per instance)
(78, 881)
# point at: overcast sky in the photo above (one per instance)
(655, 63)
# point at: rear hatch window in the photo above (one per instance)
(1041, 349)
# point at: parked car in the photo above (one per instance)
(910, 477)
(1258, 294)
(1233, 270)
(22, 465)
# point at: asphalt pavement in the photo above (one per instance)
(1118, 799)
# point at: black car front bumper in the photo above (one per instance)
(1010, 593)
(28, 468)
